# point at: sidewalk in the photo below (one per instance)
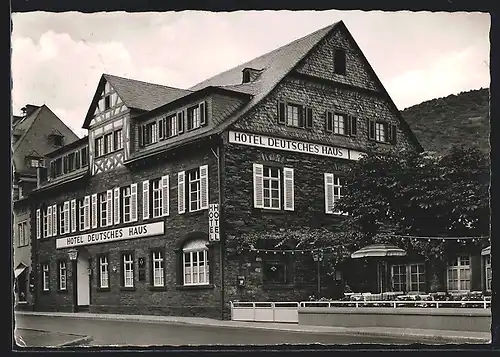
(457, 337)
(27, 337)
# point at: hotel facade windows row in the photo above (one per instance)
(173, 124)
(70, 162)
(108, 143)
(300, 116)
(120, 205)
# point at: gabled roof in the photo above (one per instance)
(135, 94)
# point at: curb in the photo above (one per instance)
(429, 337)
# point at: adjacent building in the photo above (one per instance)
(34, 133)
(138, 216)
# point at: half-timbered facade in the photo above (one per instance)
(139, 217)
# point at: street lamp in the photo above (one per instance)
(318, 257)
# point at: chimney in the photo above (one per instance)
(41, 176)
(28, 109)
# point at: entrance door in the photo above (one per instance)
(82, 282)
(22, 286)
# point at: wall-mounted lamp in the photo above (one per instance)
(114, 269)
(89, 270)
(73, 254)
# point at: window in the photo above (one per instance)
(246, 76)
(108, 143)
(128, 270)
(334, 187)
(85, 156)
(339, 63)
(172, 126)
(408, 277)
(103, 208)
(195, 262)
(274, 272)
(46, 219)
(156, 189)
(193, 121)
(339, 121)
(71, 162)
(488, 271)
(34, 162)
(45, 277)
(62, 219)
(194, 190)
(150, 133)
(99, 146)
(272, 187)
(293, 114)
(62, 275)
(103, 272)
(458, 273)
(22, 234)
(57, 140)
(81, 214)
(107, 102)
(126, 204)
(158, 268)
(118, 139)
(380, 131)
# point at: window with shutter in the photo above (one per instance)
(394, 131)
(133, 202)
(54, 220)
(309, 118)
(204, 187)
(329, 122)
(161, 129)
(288, 189)
(49, 221)
(181, 192)
(38, 225)
(371, 129)
(73, 215)
(110, 208)
(86, 210)
(140, 135)
(145, 200)
(165, 195)
(117, 206)
(281, 113)
(203, 113)
(353, 130)
(180, 122)
(258, 186)
(95, 217)
(328, 193)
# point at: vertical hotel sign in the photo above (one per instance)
(213, 222)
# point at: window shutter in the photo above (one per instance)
(204, 186)
(38, 225)
(145, 200)
(116, 207)
(86, 211)
(203, 113)
(353, 130)
(165, 195)
(288, 189)
(371, 129)
(49, 221)
(66, 217)
(94, 211)
(309, 118)
(302, 117)
(258, 186)
(73, 215)
(54, 220)
(328, 121)
(328, 193)
(133, 202)
(281, 113)
(140, 135)
(77, 159)
(180, 122)
(181, 192)
(161, 129)
(109, 206)
(394, 132)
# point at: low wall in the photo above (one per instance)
(452, 319)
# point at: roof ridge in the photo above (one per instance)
(139, 81)
(288, 44)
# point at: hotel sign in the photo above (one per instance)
(140, 231)
(270, 142)
(213, 222)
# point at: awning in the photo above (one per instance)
(378, 250)
(20, 268)
(486, 251)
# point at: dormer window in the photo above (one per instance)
(250, 74)
(56, 139)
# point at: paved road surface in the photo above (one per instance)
(121, 333)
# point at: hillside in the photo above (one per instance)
(461, 119)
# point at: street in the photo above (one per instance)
(121, 333)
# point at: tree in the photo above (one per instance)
(419, 194)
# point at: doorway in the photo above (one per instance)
(82, 283)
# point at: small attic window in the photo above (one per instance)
(250, 74)
(57, 139)
(246, 76)
(339, 61)
(107, 102)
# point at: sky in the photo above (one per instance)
(58, 58)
